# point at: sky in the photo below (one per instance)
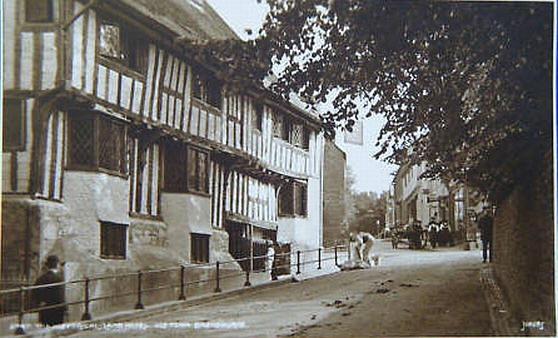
(370, 174)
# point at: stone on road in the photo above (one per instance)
(418, 293)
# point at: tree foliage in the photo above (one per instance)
(466, 86)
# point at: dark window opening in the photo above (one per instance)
(13, 125)
(257, 115)
(293, 200)
(186, 169)
(38, 11)
(123, 45)
(176, 165)
(199, 252)
(96, 142)
(208, 90)
(113, 240)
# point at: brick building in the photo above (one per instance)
(122, 152)
(333, 192)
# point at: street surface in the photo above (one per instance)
(423, 292)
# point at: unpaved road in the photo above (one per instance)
(414, 293)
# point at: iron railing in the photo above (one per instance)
(18, 301)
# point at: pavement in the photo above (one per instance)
(424, 292)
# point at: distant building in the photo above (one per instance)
(333, 193)
(414, 198)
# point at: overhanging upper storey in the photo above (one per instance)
(124, 58)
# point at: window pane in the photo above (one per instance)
(192, 170)
(286, 200)
(197, 87)
(202, 172)
(37, 11)
(214, 93)
(12, 122)
(277, 125)
(297, 137)
(109, 40)
(257, 117)
(134, 51)
(175, 167)
(112, 153)
(82, 135)
(113, 240)
(199, 248)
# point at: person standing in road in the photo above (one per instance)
(51, 295)
(270, 257)
(433, 233)
(485, 225)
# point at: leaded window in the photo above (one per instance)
(97, 142)
(82, 141)
(280, 126)
(123, 45)
(186, 169)
(297, 135)
(113, 240)
(38, 11)
(207, 89)
(198, 165)
(13, 125)
(293, 199)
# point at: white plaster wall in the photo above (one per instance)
(183, 214)
(304, 232)
(92, 197)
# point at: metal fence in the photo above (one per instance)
(18, 301)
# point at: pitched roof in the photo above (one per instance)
(191, 19)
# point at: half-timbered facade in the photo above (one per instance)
(118, 145)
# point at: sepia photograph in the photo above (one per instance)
(278, 168)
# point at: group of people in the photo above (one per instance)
(438, 234)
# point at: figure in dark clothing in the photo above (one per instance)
(51, 295)
(433, 233)
(485, 225)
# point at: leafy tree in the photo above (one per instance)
(466, 86)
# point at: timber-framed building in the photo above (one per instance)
(121, 151)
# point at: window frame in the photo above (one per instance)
(107, 237)
(20, 146)
(256, 120)
(96, 118)
(204, 249)
(204, 86)
(297, 200)
(51, 7)
(128, 39)
(185, 185)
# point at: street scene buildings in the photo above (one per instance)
(144, 179)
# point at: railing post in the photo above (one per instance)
(86, 315)
(139, 304)
(298, 262)
(247, 283)
(336, 255)
(319, 258)
(182, 294)
(20, 329)
(217, 288)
